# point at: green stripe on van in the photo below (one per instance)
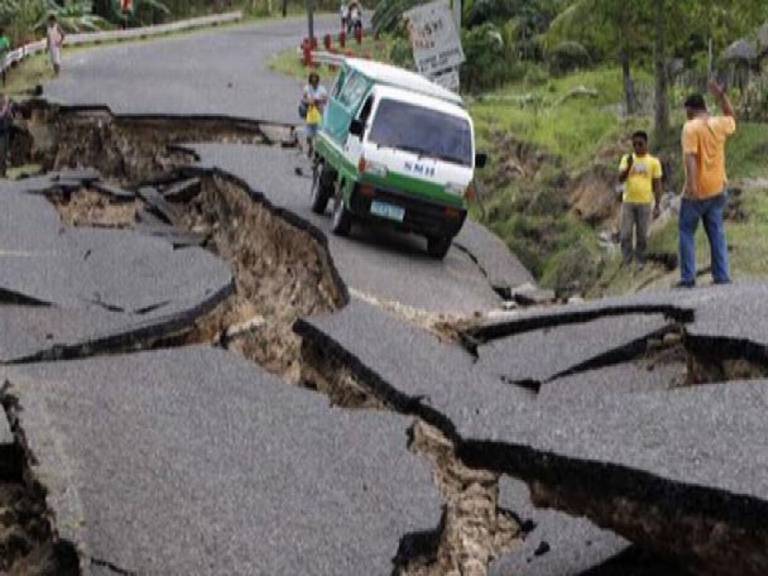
(397, 182)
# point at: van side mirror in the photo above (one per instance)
(481, 159)
(356, 128)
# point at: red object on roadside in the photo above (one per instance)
(126, 5)
(327, 41)
(306, 50)
(342, 39)
(313, 43)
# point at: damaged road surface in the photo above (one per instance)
(89, 288)
(379, 264)
(674, 466)
(187, 283)
(195, 461)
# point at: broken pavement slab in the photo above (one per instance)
(678, 472)
(535, 357)
(647, 465)
(182, 191)
(555, 544)
(254, 476)
(628, 378)
(93, 289)
(115, 192)
(409, 368)
(157, 203)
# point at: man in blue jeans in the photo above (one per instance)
(704, 196)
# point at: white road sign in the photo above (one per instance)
(435, 40)
(448, 79)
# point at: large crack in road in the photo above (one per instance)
(282, 271)
(284, 275)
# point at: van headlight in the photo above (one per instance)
(455, 189)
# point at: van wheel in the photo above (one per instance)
(322, 187)
(341, 221)
(438, 246)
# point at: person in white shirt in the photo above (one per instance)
(344, 16)
(54, 37)
(314, 99)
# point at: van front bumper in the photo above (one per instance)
(421, 216)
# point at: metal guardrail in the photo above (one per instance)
(19, 54)
(328, 58)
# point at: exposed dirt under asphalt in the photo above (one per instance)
(88, 207)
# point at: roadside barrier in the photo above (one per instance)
(308, 49)
(15, 56)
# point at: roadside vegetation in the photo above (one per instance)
(556, 87)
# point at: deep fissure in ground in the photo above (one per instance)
(282, 271)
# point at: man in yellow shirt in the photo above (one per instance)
(704, 197)
(641, 175)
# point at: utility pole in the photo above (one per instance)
(310, 19)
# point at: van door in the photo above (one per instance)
(344, 104)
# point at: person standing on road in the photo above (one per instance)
(54, 36)
(344, 16)
(704, 196)
(641, 175)
(6, 125)
(314, 98)
(355, 18)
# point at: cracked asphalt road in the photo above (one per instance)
(181, 434)
(388, 265)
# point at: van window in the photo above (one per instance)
(422, 130)
(353, 90)
(338, 84)
(365, 111)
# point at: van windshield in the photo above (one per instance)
(423, 131)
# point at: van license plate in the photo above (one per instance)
(388, 211)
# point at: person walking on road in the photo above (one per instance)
(313, 99)
(704, 195)
(6, 125)
(54, 36)
(641, 175)
(344, 16)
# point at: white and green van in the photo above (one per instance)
(396, 148)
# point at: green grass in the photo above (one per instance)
(23, 77)
(573, 128)
(289, 61)
(747, 151)
(576, 134)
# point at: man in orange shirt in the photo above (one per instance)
(704, 196)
